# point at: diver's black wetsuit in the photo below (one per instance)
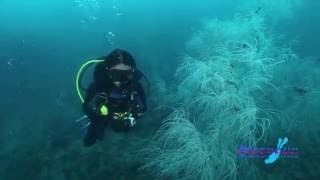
(129, 98)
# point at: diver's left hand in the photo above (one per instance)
(128, 119)
(131, 121)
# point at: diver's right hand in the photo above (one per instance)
(98, 100)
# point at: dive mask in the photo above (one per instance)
(123, 76)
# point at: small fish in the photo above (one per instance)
(258, 10)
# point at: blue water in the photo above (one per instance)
(43, 43)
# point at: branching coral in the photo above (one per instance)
(228, 61)
(178, 151)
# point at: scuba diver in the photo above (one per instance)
(115, 98)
